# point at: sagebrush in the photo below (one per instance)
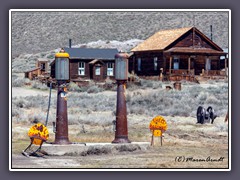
(98, 106)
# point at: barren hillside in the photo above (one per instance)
(35, 32)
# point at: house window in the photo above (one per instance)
(81, 68)
(139, 64)
(155, 63)
(110, 69)
(97, 70)
(175, 63)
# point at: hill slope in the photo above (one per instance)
(35, 32)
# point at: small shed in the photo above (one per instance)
(42, 68)
(43, 64)
(33, 73)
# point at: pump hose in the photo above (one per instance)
(49, 103)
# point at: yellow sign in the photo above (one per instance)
(39, 133)
(158, 125)
(157, 132)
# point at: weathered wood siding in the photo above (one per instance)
(90, 70)
(215, 65)
(187, 41)
(73, 70)
(147, 63)
(74, 65)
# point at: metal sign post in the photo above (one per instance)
(157, 126)
(121, 75)
(38, 134)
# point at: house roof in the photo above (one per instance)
(162, 39)
(91, 53)
(95, 61)
(42, 60)
(31, 70)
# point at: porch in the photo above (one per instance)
(185, 64)
(183, 74)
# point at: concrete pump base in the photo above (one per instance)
(84, 149)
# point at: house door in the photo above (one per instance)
(199, 64)
(98, 73)
(43, 67)
(91, 71)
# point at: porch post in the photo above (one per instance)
(134, 57)
(225, 66)
(164, 64)
(205, 60)
(189, 64)
(170, 65)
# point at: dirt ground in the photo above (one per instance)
(185, 145)
(156, 157)
(180, 149)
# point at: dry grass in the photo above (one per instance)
(183, 138)
(90, 117)
(87, 107)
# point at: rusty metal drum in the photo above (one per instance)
(177, 85)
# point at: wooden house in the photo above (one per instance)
(179, 54)
(89, 64)
(41, 68)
